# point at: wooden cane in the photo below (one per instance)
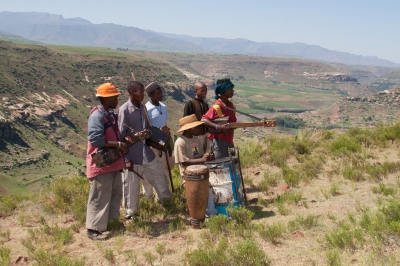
(133, 75)
(169, 170)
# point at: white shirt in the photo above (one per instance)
(158, 114)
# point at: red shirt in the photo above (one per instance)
(212, 114)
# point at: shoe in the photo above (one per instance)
(96, 235)
(133, 216)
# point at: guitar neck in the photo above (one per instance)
(266, 123)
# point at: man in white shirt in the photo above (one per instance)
(158, 115)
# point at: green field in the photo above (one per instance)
(281, 96)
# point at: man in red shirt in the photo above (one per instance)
(222, 141)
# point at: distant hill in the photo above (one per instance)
(283, 50)
(16, 39)
(55, 29)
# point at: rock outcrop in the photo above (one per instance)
(7, 130)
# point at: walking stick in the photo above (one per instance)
(133, 75)
(169, 170)
(241, 177)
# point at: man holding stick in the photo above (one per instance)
(158, 115)
(140, 160)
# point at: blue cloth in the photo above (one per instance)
(222, 88)
(158, 114)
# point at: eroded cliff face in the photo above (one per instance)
(6, 130)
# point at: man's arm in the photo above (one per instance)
(122, 123)
(96, 133)
(96, 129)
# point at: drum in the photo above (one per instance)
(197, 189)
(226, 182)
(158, 139)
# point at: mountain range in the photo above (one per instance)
(55, 29)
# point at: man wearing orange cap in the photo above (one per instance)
(105, 182)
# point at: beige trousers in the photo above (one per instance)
(162, 162)
(104, 200)
(153, 175)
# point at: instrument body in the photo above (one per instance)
(225, 120)
(197, 191)
(226, 182)
(106, 156)
(158, 139)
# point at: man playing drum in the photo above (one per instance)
(140, 160)
(221, 141)
(188, 149)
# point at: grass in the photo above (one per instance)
(370, 218)
(245, 252)
(272, 233)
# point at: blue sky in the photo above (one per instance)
(364, 27)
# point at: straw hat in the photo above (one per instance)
(107, 90)
(188, 122)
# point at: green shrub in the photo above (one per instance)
(251, 153)
(177, 224)
(67, 195)
(291, 176)
(217, 224)
(248, 253)
(382, 189)
(242, 253)
(333, 258)
(344, 145)
(272, 233)
(139, 227)
(279, 150)
(311, 167)
(289, 196)
(352, 173)
(9, 203)
(240, 215)
(345, 236)
(306, 223)
(5, 256)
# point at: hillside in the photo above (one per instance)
(380, 108)
(47, 94)
(318, 198)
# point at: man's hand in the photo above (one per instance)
(224, 128)
(165, 129)
(124, 148)
(128, 139)
(210, 157)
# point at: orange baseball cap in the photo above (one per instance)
(107, 90)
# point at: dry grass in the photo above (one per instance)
(340, 209)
